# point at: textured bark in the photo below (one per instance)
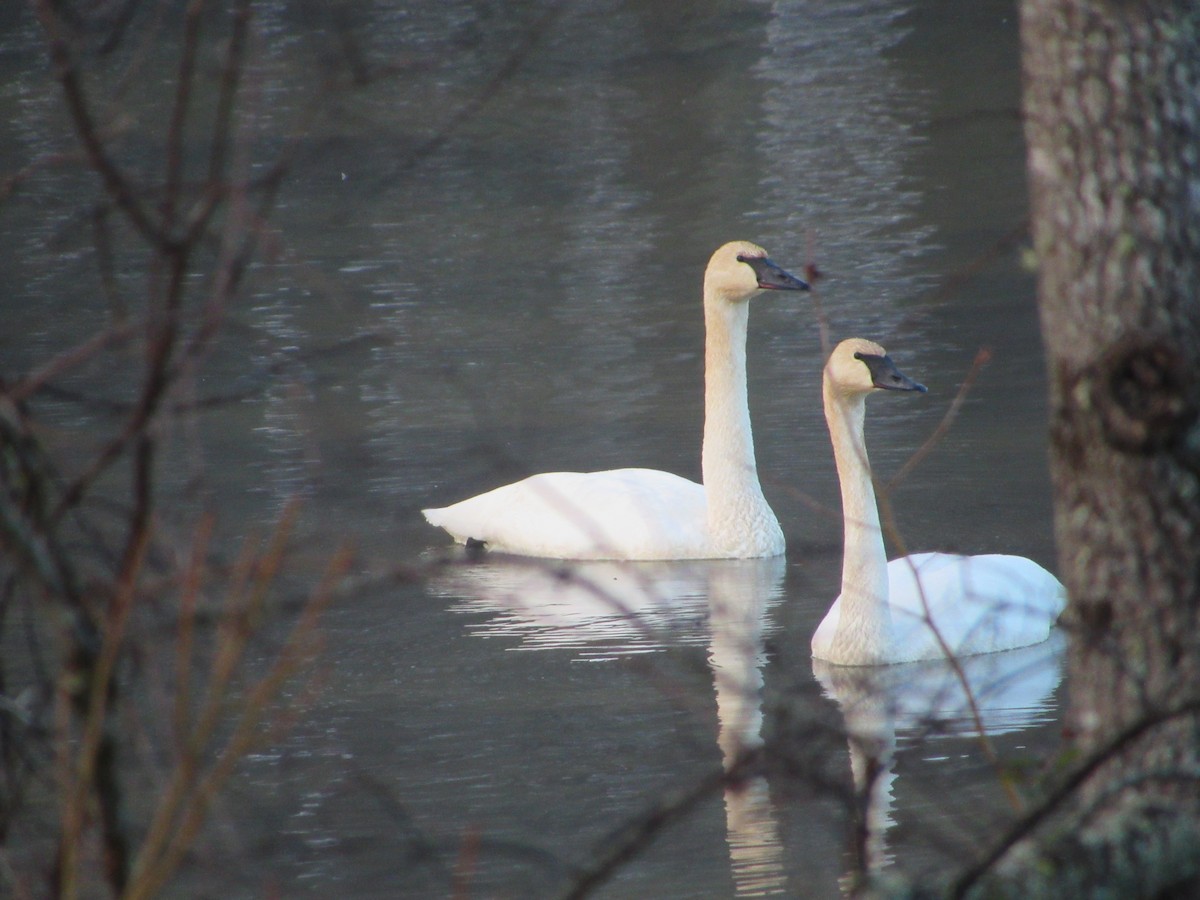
(1112, 110)
(1112, 123)
(1113, 127)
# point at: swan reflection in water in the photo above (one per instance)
(605, 610)
(600, 609)
(737, 619)
(924, 701)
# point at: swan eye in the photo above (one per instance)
(881, 367)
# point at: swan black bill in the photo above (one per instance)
(886, 376)
(772, 277)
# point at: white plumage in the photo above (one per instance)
(978, 604)
(644, 513)
(617, 514)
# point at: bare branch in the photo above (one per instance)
(1068, 788)
(115, 182)
(982, 358)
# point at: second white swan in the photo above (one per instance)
(646, 513)
(977, 604)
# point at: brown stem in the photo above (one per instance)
(115, 182)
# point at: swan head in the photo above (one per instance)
(858, 367)
(739, 270)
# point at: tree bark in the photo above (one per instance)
(1112, 103)
(1112, 121)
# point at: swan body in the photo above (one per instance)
(644, 513)
(622, 513)
(977, 604)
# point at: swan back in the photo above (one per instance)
(977, 604)
(616, 514)
(980, 604)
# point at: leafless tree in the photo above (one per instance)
(96, 568)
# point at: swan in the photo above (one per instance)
(642, 514)
(979, 604)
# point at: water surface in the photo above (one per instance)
(450, 300)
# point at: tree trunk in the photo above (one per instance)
(1112, 120)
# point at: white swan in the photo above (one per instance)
(979, 604)
(645, 513)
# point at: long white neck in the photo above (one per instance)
(739, 520)
(865, 621)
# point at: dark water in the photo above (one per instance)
(452, 299)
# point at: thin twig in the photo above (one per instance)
(637, 835)
(166, 847)
(189, 596)
(488, 91)
(1025, 825)
(892, 529)
(115, 182)
(95, 763)
(172, 184)
(964, 274)
(66, 360)
(982, 358)
(813, 275)
(231, 75)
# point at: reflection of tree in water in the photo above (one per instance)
(827, 70)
